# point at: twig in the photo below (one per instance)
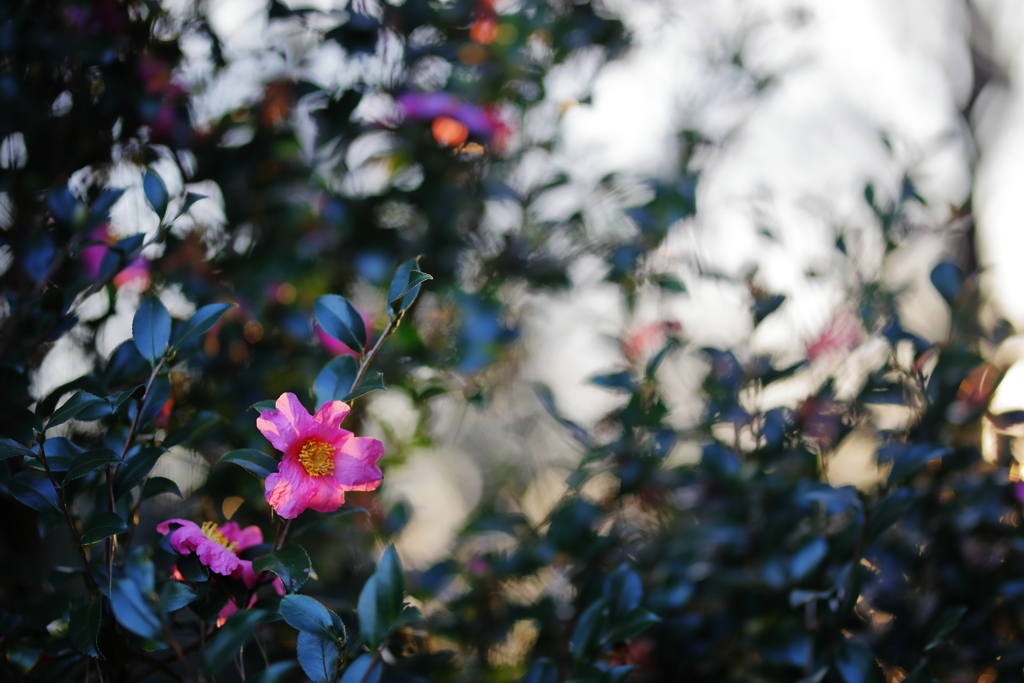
(365, 364)
(90, 581)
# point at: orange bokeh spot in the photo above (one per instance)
(447, 131)
(484, 31)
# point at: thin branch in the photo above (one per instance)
(90, 581)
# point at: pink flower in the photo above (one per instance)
(214, 549)
(321, 461)
(135, 273)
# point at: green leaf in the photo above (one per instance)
(631, 625)
(624, 591)
(135, 469)
(372, 381)
(232, 637)
(620, 381)
(157, 485)
(856, 663)
(542, 671)
(133, 610)
(334, 382)
(33, 491)
(290, 563)
(366, 669)
(260, 406)
(90, 461)
(587, 633)
(155, 400)
(190, 199)
(306, 614)
(317, 656)
(257, 462)
(118, 399)
(199, 423)
(100, 210)
(201, 322)
(405, 286)
(174, 595)
(380, 601)
(272, 674)
(138, 565)
(84, 628)
(341, 320)
(190, 567)
(151, 329)
(156, 192)
(103, 525)
(944, 625)
(73, 406)
(9, 448)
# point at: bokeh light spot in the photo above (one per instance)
(472, 54)
(484, 31)
(286, 293)
(447, 131)
(253, 331)
(507, 34)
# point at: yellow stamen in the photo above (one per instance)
(211, 531)
(317, 457)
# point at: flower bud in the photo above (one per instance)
(58, 628)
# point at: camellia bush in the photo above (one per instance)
(199, 300)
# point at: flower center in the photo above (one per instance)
(317, 457)
(211, 531)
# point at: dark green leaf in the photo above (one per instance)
(405, 286)
(190, 567)
(84, 628)
(138, 565)
(133, 610)
(623, 590)
(621, 381)
(541, 671)
(887, 512)
(151, 329)
(317, 656)
(587, 633)
(415, 279)
(174, 595)
(290, 563)
(372, 381)
(334, 382)
(100, 210)
(947, 279)
(73, 406)
(257, 462)
(232, 637)
(260, 406)
(366, 669)
(340, 319)
(201, 322)
(33, 491)
(9, 448)
(807, 558)
(631, 625)
(306, 614)
(103, 525)
(156, 192)
(618, 674)
(158, 485)
(135, 469)
(117, 400)
(90, 461)
(156, 399)
(380, 601)
(272, 674)
(199, 423)
(856, 663)
(190, 199)
(944, 625)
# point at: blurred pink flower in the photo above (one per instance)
(337, 348)
(135, 273)
(842, 334)
(321, 461)
(431, 105)
(213, 547)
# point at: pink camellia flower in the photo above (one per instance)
(135, 273)
(321, 461)
(213, 547)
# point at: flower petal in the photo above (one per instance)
(164, 527)
(285, 425)
(288, 495)
(331, 413)
(245, 538)
(245, 573)
(328, 496)
(218, 558)
(354, 464)
(185, 539)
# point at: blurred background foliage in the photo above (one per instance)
(708, 526)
